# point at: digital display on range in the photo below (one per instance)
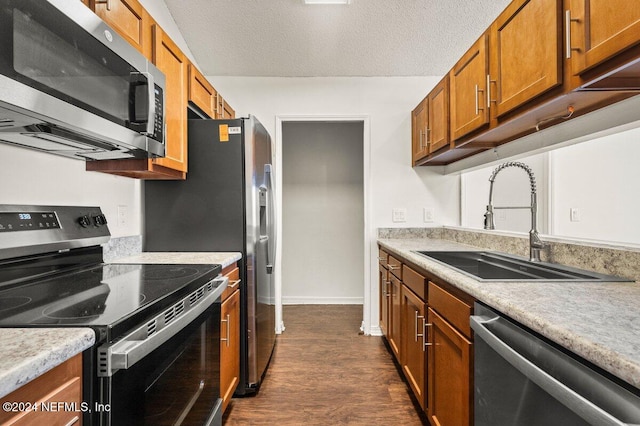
(28, 221)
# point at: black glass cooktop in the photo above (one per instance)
(111, 298)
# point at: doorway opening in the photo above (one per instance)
(323, 237)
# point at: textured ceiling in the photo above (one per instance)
(287, 38)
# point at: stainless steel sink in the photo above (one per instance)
(494, 266)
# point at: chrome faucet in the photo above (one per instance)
(535, 243)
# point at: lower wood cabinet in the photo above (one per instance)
(450, 374)
(426, 324)
(414, 344)
(230, 337)
(60, 385)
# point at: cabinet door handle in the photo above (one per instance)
(489, 81)
(478, 90)
(428, 136)
(567, 30)
(424, 334)
(108, 3)
(73, 421)
(228, 321)
(415, 327)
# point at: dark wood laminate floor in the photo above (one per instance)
(324, 373)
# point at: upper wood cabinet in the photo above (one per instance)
(201, 92)
(597, 30)
(468, 79)
(225, 109)
(175, 66)
(438, 123)
(526, 53)
(129, 19)
(419, 119)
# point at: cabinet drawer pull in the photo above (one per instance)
(228, 338)
(235, 284)
(392, 267)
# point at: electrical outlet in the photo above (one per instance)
(428, 214)
(399, 215)
(123, 213)
(574, 214)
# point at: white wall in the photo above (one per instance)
(599, 177)
(32, 177)
(323, 213)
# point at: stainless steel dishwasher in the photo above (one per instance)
(521, 379)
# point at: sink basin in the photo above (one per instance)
(494, 266)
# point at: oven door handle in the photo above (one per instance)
(138, 344)
(558, 390)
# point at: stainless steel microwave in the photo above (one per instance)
(70, 85)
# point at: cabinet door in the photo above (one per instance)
(600, 29)
(129, 19)
(468, 80)
(385, 299)
(438, 123)
(450, 370)
(419, 117)
(174, 64)
(201, 92)
(229, 347)
(394, 316)
(228, 112)
(526, 53)
(413, 340)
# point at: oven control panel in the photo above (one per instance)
(27, 221)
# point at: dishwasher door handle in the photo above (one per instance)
(563, 394)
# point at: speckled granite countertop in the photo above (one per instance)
(598, 321)
(26, 353)
(202, 258)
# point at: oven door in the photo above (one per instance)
(165, 377)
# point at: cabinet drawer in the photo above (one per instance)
(395, 266)
(416, 282)
(383, 258)
(234, 281)
(62, 384)
(454, 310)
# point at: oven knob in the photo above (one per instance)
(84, 221)
(100, 220)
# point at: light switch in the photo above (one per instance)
(574, 214)
(429, 214)
(399, 215)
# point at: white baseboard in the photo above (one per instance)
(313, 300)
(375, 331)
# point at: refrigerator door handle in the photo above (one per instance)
(267, 215)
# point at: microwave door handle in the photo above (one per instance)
(558, 390)
(151, 97)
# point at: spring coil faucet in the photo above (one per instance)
(535, 243)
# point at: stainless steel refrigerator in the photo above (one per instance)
(225, 204)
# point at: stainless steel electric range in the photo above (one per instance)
(157, 327)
